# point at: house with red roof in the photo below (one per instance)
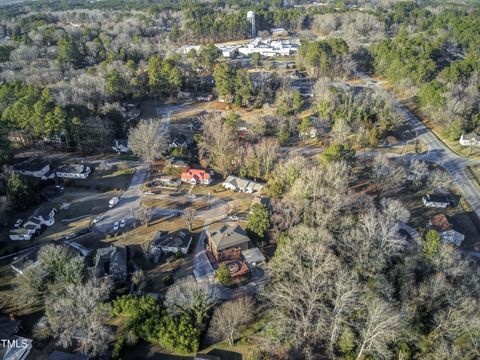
(196, 176)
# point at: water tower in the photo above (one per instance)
(251, 20)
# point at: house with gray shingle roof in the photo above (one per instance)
(236, 183)
(228, 242)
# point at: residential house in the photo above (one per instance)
(179, 141)
(35, 167)
(120, 145)
(185, 95)
(236, 183)
(470, 139)
(178, 241)
(205, 97)
(23, 233)
(229, 51)
(206, 357)
(131, 112)
(228, 242)
(43, 217)
(22, 262)
(60, 355)
(18, 348)
(278, 32)
(437, 201)
(82, 250)
(9, 326)
(196, 176)
(448, 231)
(73, 171)
(176, 163)
(111, 261)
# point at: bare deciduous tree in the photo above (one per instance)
(381, 327)
(189, 216)
(143, 215)
(188, 296)
(73, 314)
(439, 181)
(148, 139)
(219, 145)
(228, 319)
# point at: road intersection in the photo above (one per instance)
(438, 152)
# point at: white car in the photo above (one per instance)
(113, 201)
(98, 219)
(116, 225)
(18, 223)
(149, 193)
(122, 223)
(191, 196)
(71, 236)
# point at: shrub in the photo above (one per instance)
(222, 274)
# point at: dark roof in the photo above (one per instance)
(112, 261)
(72, 168)
(24, 261)
(206, 357)
(180, 140)
(177, 239)
(228, 236)
(60, 355)
(44, 212)
(8, 327)
(438, 198)
(32, 165)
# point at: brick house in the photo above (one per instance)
(228, 242)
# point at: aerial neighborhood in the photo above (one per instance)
(239, 180)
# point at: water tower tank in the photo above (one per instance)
(251, 19)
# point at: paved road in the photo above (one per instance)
(128, 202)
(438, 152)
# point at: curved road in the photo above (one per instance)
(438, 152)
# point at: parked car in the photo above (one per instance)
(149, 192)
(71, 236)
(113, 201)
(116, 225)
(191, 196)
(122, 223)
(83, 231)
(59, 187)
(98, 219)
(233, 218)
(18, 223)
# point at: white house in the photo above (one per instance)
(236, 183)
(21, 234)
(436, 201)
(35, 167)
(73, 171)
(120, 146)
(470, 139)
(43, 217)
